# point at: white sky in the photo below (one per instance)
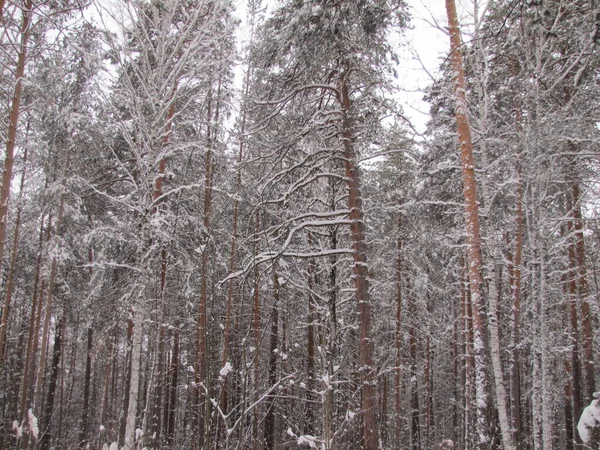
(426, 46)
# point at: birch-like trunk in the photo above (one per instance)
(496, 358)
(134, 379)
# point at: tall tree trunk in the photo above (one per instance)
(469, 362)
(173, 374)
(583, 291)
(127, 387)
(50, 293)
(13, 262)
(414, 385)
(83, 426)
(269, 429)
(501, 397)
(46, 435)
(309, 413)
(515, 282)
(361, 274)
(472, 230)
(13, 123)
(398, 339)
(134, 379)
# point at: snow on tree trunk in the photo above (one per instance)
(361, 276)
(472, 226)
(136, 357)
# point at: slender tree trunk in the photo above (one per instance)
(13, 262)
(515, 282)
(13, 122)
(398, 340)
(127, 387)
(568, 396)
(414, 385)
(269, 429)
(50, 295)
(583, 291)
(309, 414)
(361, 275)
(574, 329)
(172, 410)
(32, 337)
(472, 229)
(46, 436)
(469, 362)
(501, 397)
(83, 428)
(134, 379)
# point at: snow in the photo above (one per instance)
(225, 370)
(102, 428)
(307, 439)
(33, 424)
(17, 429)
(350, 415)
(114, 446)
(138, 434)
(590, 418)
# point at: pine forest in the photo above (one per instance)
(221, 228)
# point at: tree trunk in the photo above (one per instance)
(269, 429)
(309, 414)
(583, 291)
(127, 387)
(414, 384)
(172, 406)
(83, 428)
(49, 407)
(361, 275)
(515, 282)
(472, 227)
(13, 122)
(13, 263)
(502, 407)
(398, 340)
(134, 379)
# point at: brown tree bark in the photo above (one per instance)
(13, 122)
(361, 273)
(583, 291)
(474, 258)
(46, 435)
(13, 263)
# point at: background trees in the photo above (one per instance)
(192, 265)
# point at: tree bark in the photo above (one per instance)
(269, 428)
(49, 407)
(13, 263)
(474, 258)
(398, 340)
(83, 427)
(13, 122)
(361, 274)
